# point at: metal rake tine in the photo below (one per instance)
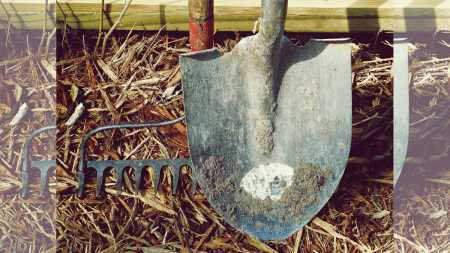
(156, 175)
(24, 182)
(138, 179)
(44, 172)
(80, 183)
(99, 180)
(119, 174)
(176, 177)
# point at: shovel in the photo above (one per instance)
(401, 104)
(269, 126)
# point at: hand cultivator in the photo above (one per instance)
(137, 165)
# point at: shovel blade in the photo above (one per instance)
(268, 172)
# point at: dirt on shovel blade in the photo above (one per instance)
(277, 206)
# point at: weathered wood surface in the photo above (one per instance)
(303, 16)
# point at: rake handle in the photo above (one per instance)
(110, 127)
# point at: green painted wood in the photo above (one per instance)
(27, 15)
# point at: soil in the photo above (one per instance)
(306, 185)
(230, 199)
(220, 185)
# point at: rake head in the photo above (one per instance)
(43, 166)
(137, 165)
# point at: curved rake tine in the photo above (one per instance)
(100, 172)
(176, 177)
(156, 176)
(26, 162)
(99, 129)
(138, 180)
(119, 173)
(43, 182)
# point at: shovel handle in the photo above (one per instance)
(272, 21)
(201, 24)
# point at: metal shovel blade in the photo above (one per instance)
(269, 126)
(401, 104)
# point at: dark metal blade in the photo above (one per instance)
(310, 121)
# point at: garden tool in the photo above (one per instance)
(43, 166)
(138, 165)
(401, 104)
(269, 125)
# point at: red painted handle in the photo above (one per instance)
(201, 24)
(201, 34)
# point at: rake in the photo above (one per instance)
(137, 165)
(43, 166)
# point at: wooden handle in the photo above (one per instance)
(201, 10)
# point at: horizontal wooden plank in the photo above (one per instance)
(27, 15)
(302, 16)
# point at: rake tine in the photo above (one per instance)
(176, 176)
(156, 175)
(80, 183)
(99, 180)
(44, 172)
(138, 179)
(24, 182)
(119, 173)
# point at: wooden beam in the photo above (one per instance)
(302, 16)
(26, 14)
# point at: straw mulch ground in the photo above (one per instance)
(422, 192)
(131, 83)
(26, 224)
